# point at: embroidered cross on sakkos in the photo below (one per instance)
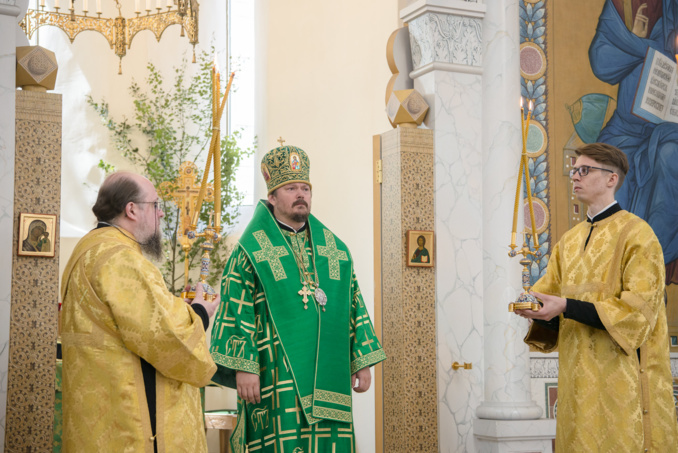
(333, 254)
(270, 254)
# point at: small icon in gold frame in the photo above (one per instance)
(37, 235)
(420, 248)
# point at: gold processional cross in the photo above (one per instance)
(184, 191)
(281, 141)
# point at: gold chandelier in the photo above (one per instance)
(118, 31)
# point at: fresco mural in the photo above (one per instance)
(582, 62)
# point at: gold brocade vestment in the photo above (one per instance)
(614, 385)
(116, 309)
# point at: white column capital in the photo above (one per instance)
(445, 35)
(451, 7)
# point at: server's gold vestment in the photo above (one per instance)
(116, 309)
(609, 398)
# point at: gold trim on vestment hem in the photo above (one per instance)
(367, 360)
(332, 414)
(333, 397)
(235, 363)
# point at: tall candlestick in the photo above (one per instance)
(214, 154)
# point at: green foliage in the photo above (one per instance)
(175, 122)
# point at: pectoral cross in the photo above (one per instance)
(305, 293)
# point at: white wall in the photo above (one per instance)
(324, 75)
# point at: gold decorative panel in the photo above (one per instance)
(408, 294)
(35, 280)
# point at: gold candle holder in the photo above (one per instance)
(525, 301)
(211, 233)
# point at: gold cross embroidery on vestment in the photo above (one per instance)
(270, 254)
(333, 254)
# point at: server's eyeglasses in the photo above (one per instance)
(584, 170)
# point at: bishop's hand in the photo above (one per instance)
(248, 386)
(364, 378)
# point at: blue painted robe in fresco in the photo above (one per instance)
(651, 187)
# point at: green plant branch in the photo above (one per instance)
(174, 121)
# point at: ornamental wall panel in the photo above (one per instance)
(409, 323)
(35, 280)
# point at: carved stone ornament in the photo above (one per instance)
(406, 108)
(36, 68)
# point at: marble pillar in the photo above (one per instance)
(507, 394)
(9, 13)
(465, 60)
(446, 42)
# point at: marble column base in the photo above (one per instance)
(509, 411)
(509, 436)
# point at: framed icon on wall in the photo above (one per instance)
(420, 248)
(36, 235)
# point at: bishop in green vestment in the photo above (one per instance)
(292, 334)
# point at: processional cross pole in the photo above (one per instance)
(184, 192)
(212, 230)
(525, 301)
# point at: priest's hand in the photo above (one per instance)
(364, 378)
(210, 307)
(552, 306)
(248, 386)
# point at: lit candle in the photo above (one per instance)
(99, 6)
(520, 175)
(84, 6)
(71, 7)
(42, 3)
(169, 3)
(56, 3)
(137, 5)
(148, 5)
(535, 237)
